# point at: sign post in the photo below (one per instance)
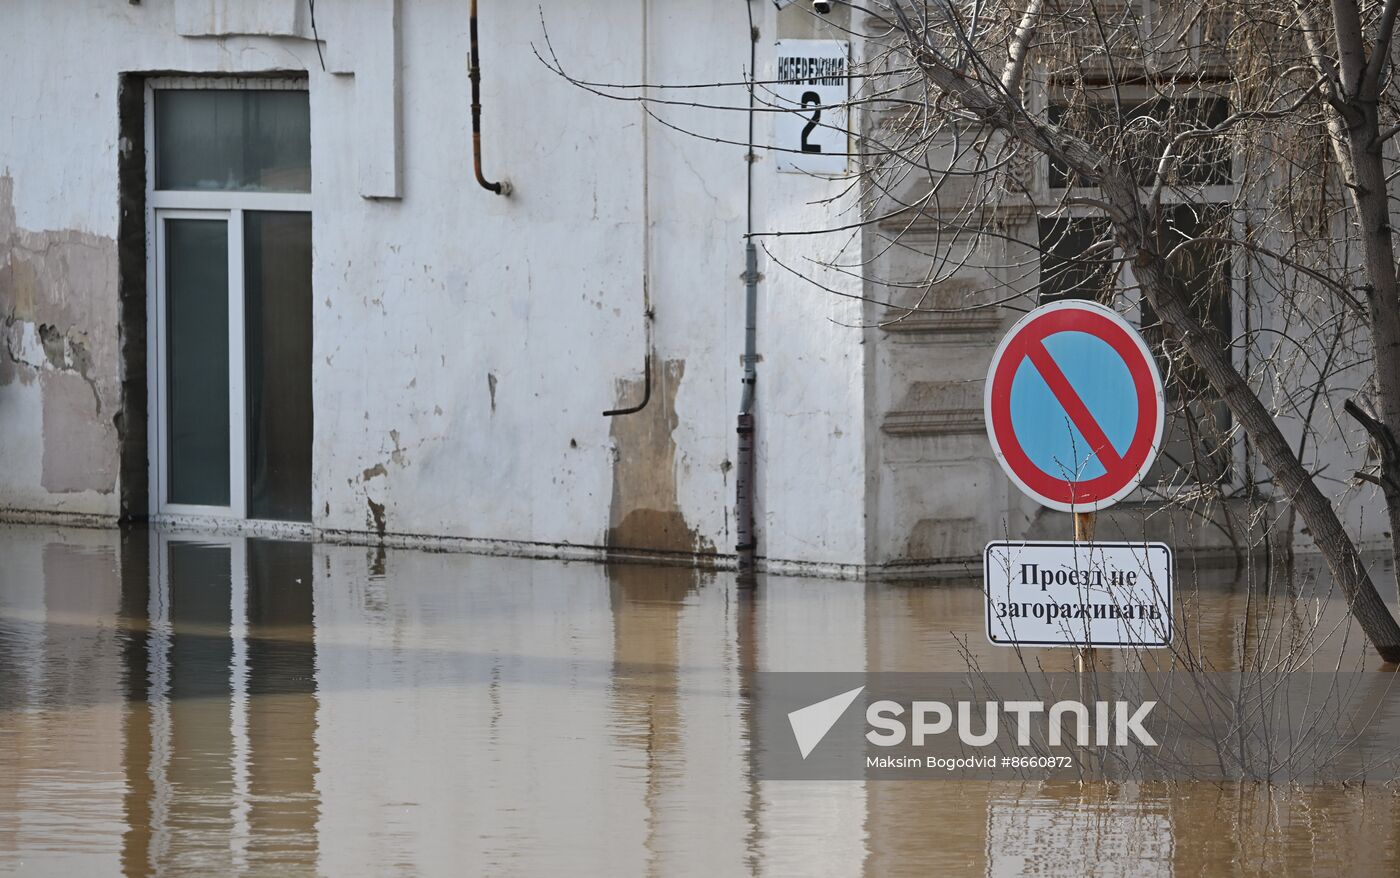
(1084, 533)
(1075, 413)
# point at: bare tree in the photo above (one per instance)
(1135, 107)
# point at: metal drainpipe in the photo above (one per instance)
(744, 475)
(648, 313)
(474, 74)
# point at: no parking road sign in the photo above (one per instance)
(1074, 406)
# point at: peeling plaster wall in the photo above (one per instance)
(465, 345)
(58, 360)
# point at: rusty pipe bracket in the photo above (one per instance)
(474, 74)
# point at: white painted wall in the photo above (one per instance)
(420, 299)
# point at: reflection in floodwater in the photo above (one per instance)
(180, 705)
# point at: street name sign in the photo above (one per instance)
(1074, 406)
(1078, 594)
(812, 82)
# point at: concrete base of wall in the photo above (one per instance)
(286, 530)
(938, 571)
(62, 519)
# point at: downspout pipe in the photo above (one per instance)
(747, 544)
(474, 73)
(648, 313)
(744, 483)
(750, 327)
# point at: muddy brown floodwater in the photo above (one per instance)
(176, 704)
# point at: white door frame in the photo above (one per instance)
(160, 375)
(228, 206)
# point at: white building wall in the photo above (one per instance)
(465, 345)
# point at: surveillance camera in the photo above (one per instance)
(820, 7)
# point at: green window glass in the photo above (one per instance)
(256, 140)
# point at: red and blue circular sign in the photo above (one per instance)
(1074, 406)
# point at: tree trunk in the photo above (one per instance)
(1210, 351)
(1370, 200)
(1353, 90)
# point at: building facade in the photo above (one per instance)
(247, 273)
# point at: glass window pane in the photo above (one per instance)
(277, 299)
(1138, 132)
(252, 140)
(1066, 272)
(196, 293)
(1205, 161)
(1196, 447)
(1202, 277)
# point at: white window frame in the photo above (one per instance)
(228, 206)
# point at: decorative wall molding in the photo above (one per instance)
(902, 323)
(945, 299)
(953, 422)
(936, 408)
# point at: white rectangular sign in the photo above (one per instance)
(1078, 594)
(811, 80)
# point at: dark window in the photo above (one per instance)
(1196, 443)
(1202, 275)
(197, 403)
(1068, 270)
(277, 303)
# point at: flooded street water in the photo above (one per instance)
(177, 704)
